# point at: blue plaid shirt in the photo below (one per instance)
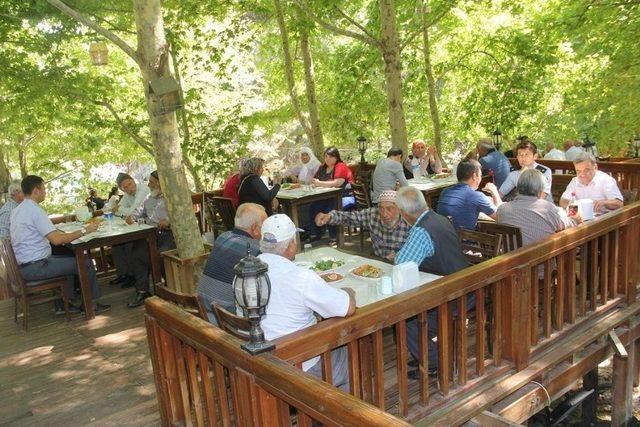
(5, 217)
(418, 246)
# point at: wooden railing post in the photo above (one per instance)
(622, 395)
(516, 300)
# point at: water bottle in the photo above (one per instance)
(108, 217)
(416, 170)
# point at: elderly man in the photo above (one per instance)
(131, 204)
(15, 198)
(297, 293)
(433, 245)
(422, 160)
(388, 174)
(527, 154)
(536, 217)
(552, 153)
(572, 149)
(33, 233)
(154, 212)
(216, 283)
(492, 160)
(387, 228)
(590, 183)
(463, 203)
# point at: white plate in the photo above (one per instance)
(304, 264)
(373, 279)
(335, 281)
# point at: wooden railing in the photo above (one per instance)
(204, 378)
(526, 302)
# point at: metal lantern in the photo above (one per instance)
(362, 147)
(252, 290)
(636, 145)
(99, 53)
(497, 139)
(165, 95)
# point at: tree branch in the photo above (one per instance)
(365, 38)
(355, 23)
(427, 24)
(96, 27)
(136, 138)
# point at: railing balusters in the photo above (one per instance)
(559, 297)
(378, 368)
(207, 390)
(593, 272)
(613, 263)
(194, 385)
(548, 282)
(481, 320)
(365, 356)
(582, 306)
(220, 374)
(423, 363)
(444, 354)
(354, 368)
(604, 268)
(159, 372)
(284, 411)
(570, 260)
(182, 380)
(535, 302)
(462, 340)
(327, 369)
(496, 290)
(401, 364)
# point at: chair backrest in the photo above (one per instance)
(511, 236)
(237, 326)
(16, 281)
(559, 184)
(190, 303)
(361, 194)
(629, 196)
(222, 212)
(477, 246)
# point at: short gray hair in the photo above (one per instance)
(531, 182)
(251, 166)
(276, 248)
(486, 144)
(584, 157)
(247, 215)
(14, 187)
(411, 201)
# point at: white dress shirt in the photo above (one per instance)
(601, 187)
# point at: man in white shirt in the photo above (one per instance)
(33, 233)
(131, 205)
(572, 149)
(298, 293)
(590, 183)
(552, 153)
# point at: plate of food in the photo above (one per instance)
(326, 265)
(367, 271)
(441, 175)
(332, 277)
(96, 219)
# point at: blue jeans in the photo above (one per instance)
(60, 265)
(324, 206)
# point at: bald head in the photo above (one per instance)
(249, 217)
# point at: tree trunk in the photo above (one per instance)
(317, 142)
(289, 73)
(22, 160)
(5, 175)
(153, 53)
(431, 84)
(391, 55)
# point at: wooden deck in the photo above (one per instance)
(77, 373)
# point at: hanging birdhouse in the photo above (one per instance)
(99, 53)
(165, 96)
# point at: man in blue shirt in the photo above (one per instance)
(33, 233)
(492, 160)
(463, 203)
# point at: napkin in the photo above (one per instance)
(405, 276)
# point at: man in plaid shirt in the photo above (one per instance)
(387, 228)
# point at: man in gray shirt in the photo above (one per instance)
(14, 199)
(388, 174)
(33, 233)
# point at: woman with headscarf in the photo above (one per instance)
(306, 169)
(253, 190)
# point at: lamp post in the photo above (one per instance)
(636, 145)
(497, 139)
(362, 147)
(252, 290)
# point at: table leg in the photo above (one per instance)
(153, 256)
(293, 214)
(340, 227)
(87, 298)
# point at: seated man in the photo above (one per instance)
(590, 183)
(552, 153)
(154, 212)
(216, 282)
(31, 234)
(130, 204)
(536, 217)
(433, 245)
(572, 149)
(297, 293)
(387, 228)
(493, 160)
(15, 198)
(463, 203)
(422, 160)
(388, 174)
(526, 153)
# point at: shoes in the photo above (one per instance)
(312, 238)
(59, 308)
(101, 308)
(138, 299)
(333, 243)
(414, 375)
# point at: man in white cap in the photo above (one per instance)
(387, 228)
(297, 293)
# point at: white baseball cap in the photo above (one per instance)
(278, 228)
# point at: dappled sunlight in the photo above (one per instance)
(41, 355)
(116, 339)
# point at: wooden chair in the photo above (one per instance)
(363, 201)
(511, 236)
(237, 326)
(477, 246)
(190, 303)
(629, 196)
(30, 293)
(222, 213)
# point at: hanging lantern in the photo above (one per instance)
(252, 290)
(165, 95)
(497, 139)
(99, 53)
(636, 145)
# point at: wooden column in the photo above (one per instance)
(622, 393)
(516, 294)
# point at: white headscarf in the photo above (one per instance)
(309, 169)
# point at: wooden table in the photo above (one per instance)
(367, 290)
(291, 200)
(120, 233)
(431, 188)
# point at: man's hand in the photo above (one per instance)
(322, 219)
(577, 218)
(490, 187)
(315, 182)
(391, 257)
(275, 204)
(163, 224)
(129, 220)
(431, 150)
(92, 226)
(352, 301)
